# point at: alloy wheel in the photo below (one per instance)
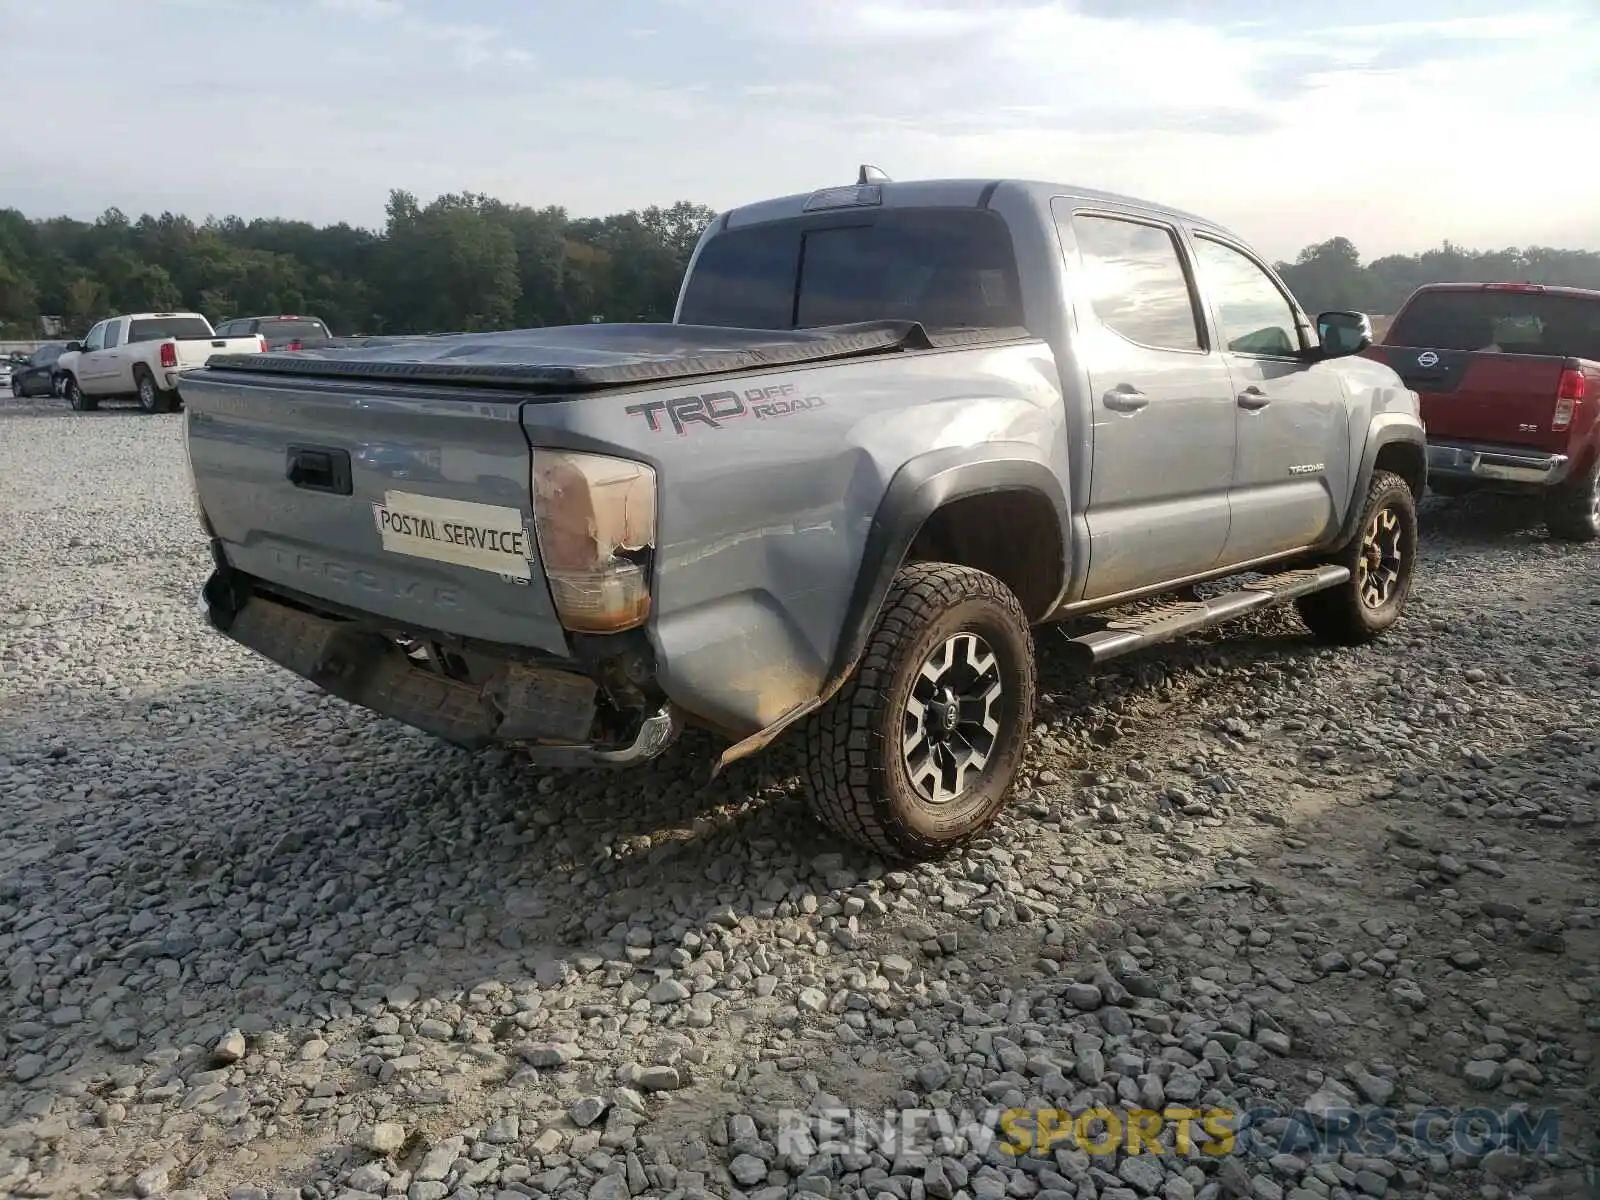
(951, 724)
(1382, 561)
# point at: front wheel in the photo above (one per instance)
(75, 397)
(1572, 510)
(915, 754)
(1382, 559)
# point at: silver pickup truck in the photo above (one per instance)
(893, 427)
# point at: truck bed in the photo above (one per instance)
(391, 481)
(570, 358)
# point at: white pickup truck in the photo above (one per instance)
(142, 356)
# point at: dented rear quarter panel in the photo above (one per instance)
(769, 483)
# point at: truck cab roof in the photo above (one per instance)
(950, 193)
(1546, 289)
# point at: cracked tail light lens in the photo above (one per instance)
(595, 518)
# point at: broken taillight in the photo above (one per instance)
(595, 518)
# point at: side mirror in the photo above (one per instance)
(1341, 334)
(72, 347)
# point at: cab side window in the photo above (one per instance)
(1253, 315)
(113, 335)
(96, 339)
(1133, 277)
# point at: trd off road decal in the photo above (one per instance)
(715, 409)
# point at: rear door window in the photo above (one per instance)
(1132, 276)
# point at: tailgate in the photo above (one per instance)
(350, 495)
(196, 352)
(1471, 396)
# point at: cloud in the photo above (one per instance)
(378, 10)
(471, 45)
(977, 67)
(1287, 131)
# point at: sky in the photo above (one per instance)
(1398, 125)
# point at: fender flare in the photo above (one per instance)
(919, 489)
(1385, 429)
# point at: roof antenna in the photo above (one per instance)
(871, 174)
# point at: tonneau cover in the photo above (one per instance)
(578, 357)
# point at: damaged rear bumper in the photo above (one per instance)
(1496, 464)
(550, 713)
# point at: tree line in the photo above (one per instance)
(1331, 275)
(461, 262)
(467, 261)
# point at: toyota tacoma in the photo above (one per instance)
(891, 429)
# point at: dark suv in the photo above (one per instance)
(36, 376)
(281, 332)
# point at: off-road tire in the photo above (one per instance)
(1339, 615)
(151, 398)
(75, 398)
(857, 778)
(1572, 509)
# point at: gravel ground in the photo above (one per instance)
(257, 944)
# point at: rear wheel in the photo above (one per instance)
(1382, 559)
(915, 754)
(1572, 509)
(152, 398)
(75, 396)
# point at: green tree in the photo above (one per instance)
(450, 266)
(85, 302)
(19, 298)
(1329, 276)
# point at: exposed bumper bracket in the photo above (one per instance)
(544, 711)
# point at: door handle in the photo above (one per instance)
(1125, 398)
(319, 469)
(1253, 398)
